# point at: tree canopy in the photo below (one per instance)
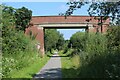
(23, 17)
(60, 42)
(77, 40)
(17, 48)
(12, 40)
(53, 39)
(19, 18)
(104, 9)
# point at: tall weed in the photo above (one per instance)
(18, 50)
(101, 56)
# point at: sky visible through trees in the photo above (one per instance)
(67, 33)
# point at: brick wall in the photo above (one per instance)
(39, 35)
(61, 19)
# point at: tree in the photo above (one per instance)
(16, 47)
(8, 18)
(16, 17)
(60, 42)
(23, 17)
(51, 38)
(113, 38)
(77, 40)
(7, 21)
(104, 9)
(12, 40)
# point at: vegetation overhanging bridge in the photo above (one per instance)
(39, 23)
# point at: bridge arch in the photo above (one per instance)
(39, 23)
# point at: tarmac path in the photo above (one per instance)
(52, 69)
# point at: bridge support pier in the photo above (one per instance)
(40, 38)
(38, 32)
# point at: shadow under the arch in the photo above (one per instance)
(57, 56)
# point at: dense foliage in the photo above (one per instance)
(11, 37)
(60, 42)
(18, 50)
(19, 18)
(53, 39)
(99, 55)
(101, 8)
(23, 17)
(77, 40)
(113, 38)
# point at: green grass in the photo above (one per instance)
(96, 61)
(68, 69)
(30, 71)
(69, 66)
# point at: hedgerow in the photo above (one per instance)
(18, 49)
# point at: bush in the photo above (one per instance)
(101, 56)
(95, 46)
(113, 36)
(103, 66)
(77, 40)
(18, 51)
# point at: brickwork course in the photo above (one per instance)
(39, 23)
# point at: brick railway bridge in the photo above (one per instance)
(39, 23)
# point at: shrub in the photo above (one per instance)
(77, 40)
(100, 58)
(18, 51)
(113, 36)
(76, 61)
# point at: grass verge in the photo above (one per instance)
(69, 66)
(30, 71)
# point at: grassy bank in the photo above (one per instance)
(95, 61)
(69, 70)
(31, 70)
(69, 65)
(20, 58)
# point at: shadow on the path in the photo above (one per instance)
(96, 68)
(58, 56)
(48, 74)
(55, 74)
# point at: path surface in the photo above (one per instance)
(52, 69)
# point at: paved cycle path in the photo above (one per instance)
(52, 69)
